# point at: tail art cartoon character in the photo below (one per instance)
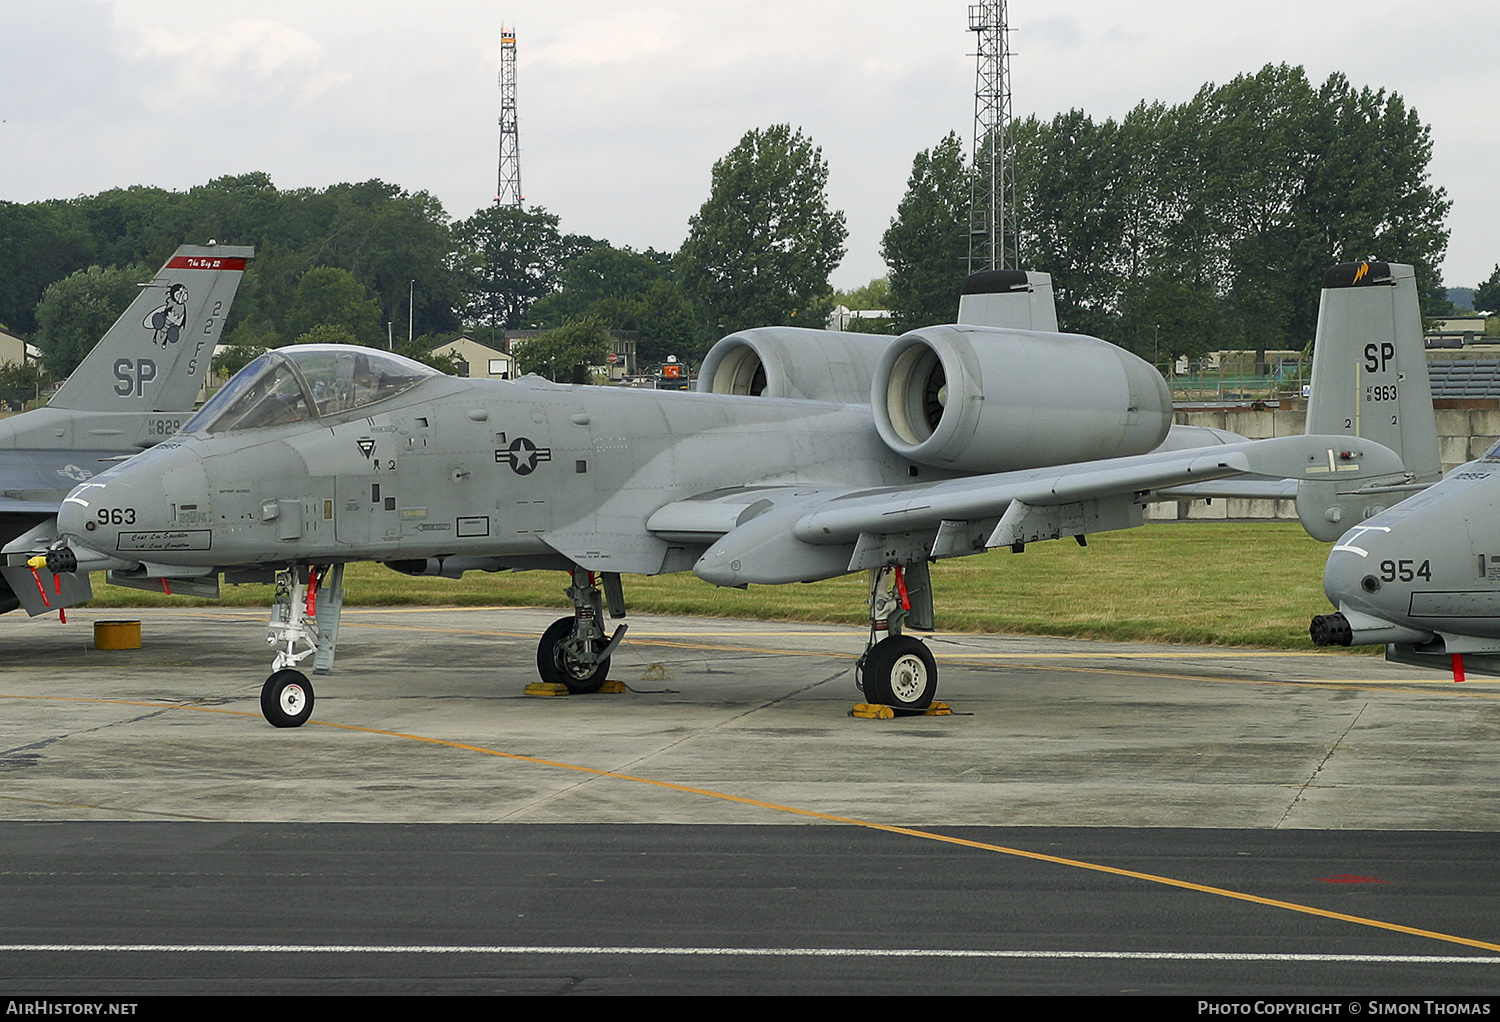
(165, 322)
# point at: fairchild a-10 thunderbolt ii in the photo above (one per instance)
(1422, 578)
(135, 388)
(803, 455)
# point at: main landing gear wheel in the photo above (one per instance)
(900, 672)
(287, 699)
(557, 665)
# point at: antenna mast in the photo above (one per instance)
(993, 240)
(509, 191)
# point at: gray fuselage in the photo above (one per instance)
(471, 468)
(1429, 565)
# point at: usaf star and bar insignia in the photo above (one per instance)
(523, 456)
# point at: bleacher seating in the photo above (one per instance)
(1465, 377)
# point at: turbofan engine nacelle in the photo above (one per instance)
(783, 361)
(980, 399)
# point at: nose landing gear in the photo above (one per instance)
(304, 623)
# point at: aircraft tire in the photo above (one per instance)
(900, 672)
(554, 666)
(286, 699)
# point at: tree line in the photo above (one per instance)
(1175, 230)
(373, 264)
(1200, 226)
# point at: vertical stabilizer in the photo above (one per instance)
(157, 354)
(1011, 299)
(1369, 379)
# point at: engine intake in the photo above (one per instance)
(781, 361)
(981, 399)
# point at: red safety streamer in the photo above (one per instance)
(41, 588)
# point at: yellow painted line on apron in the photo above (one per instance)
(847, 820)
(942, 838)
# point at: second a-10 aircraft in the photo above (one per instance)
(1422, 578)
(804, 455)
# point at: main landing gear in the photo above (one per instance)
(899, 671)
(896, 670)
(304, 623)
(574, 651)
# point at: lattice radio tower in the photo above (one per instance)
(509, 191)
(993, 241)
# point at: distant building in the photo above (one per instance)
(480, 361)
(620, 361)
(841, 316)
(1457, 332)
(13, 348)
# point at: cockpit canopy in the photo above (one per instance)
(306, 383)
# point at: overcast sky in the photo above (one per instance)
(624, 107)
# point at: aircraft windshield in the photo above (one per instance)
(306, 383)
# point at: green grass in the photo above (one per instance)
(1224, 583)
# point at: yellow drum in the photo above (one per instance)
(117, 635)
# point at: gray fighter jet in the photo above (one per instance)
(134, 389)
(1422, 578)
(804, 455)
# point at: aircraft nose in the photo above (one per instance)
(141, 496)
(89, 538)
(1371, 585)
(97, 511)
(1352, 573)
(72, 513)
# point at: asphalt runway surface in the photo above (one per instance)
(1094, 818)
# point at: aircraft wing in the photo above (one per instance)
(799, 534)
(1244, 486)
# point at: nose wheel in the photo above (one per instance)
(304, 624)
(286, 699)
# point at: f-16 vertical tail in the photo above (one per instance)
(157, 354)
(134, 389)
(1369, 379)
